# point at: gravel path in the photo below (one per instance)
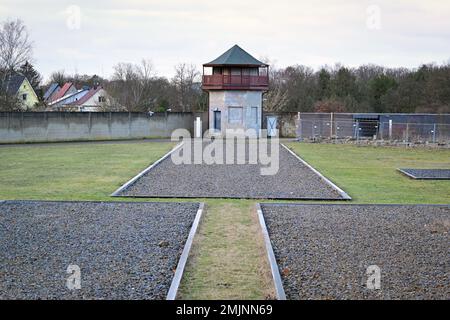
(293, 181)
(431, 174)
(323, 250)
(124, 250)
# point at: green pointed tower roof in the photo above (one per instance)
(236, 56)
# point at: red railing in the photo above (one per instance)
(229, 81)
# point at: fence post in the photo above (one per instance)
(434, 133)
(390, 129)
(331, 126)
(301, 129)
(337, 132)
(407, 132)
(357, 131)
(313, 131)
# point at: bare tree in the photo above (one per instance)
(146, 75)
(277, 96)
(15, 51)
(186, 76)
(58, 77)
(15, 46)
(131, 85)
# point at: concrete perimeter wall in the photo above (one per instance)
(21, 127)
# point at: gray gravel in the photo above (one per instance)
(323, 250)
(124, 250)
(431, 174)
(293, 181)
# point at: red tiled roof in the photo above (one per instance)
(87, 96)
(62, 92)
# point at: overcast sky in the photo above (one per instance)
(353, 32)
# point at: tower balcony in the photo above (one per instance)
(235, 82)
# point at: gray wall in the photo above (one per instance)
(72, 126)
(222, 100)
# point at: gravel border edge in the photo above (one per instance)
(341, 192)
(173, 290)
(281, 204)
(279, 290)
(143, 172)
(419, 178)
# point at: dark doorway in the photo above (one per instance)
(367, 128)
(217, 120)
(365, 125)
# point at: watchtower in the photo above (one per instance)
(235, 82)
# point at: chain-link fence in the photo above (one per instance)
(374, 130)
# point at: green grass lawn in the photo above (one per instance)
(228, 258)
(368, 174)
(73, 171)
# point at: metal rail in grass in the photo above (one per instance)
(143, 172)
(173, 290)
(279, 290)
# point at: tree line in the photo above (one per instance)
(137, 87)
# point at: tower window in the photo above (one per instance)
(254, 114)
(235, 115)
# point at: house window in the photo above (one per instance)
(235, 115)
(101, 99)
(24, 97)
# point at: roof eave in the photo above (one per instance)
(235, 65)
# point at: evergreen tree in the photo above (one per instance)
(324, 85)
(380, 86)
(32, 75)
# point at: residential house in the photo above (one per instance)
(51, 92)
(85, 99)
(67, 100)
(19, 86)
(95, 100)
(67, 88)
